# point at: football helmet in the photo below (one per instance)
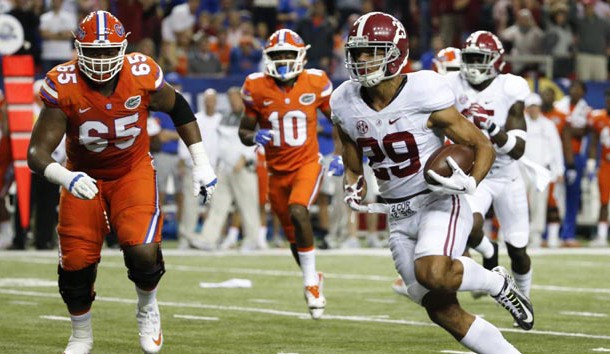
(100, 30)
(284, 69)
(386, 39)
(482, 57)
(447, 60)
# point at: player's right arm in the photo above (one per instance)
(46, 135)
(354, 184)
(247, 127)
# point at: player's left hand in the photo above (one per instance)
(336, 167)
(458, 183)
(204, 182)
(480, 117)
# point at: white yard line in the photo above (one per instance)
(56, 318)
(300, 315)
(455, 352)
(583, 314)
(199, 318)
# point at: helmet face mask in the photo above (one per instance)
(482, 57)
(377, 49)
(100, 46)
(284, 55)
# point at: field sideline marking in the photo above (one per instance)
(300, 315)
(200, 318)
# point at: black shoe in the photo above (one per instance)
(513, 300)
(492, 262)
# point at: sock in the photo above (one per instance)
(602, 231)
(308, 267)
(233, 233)
(81, 325)
(475, 277)
(483, 337)
(146, 297)
(6, 233)
(262, 235)
(524, 282)
(485, 248)
(552, 236)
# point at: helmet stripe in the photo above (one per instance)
(282, 38)
(101, 25)
(362, 23)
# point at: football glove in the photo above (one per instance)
(480, 118)
(79, 184)
(263, 137)
(353, 194)
(458, 183)
(204, 182)
(336, 167)
(591, 169)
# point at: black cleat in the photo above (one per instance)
(491, 263)
(513, 300)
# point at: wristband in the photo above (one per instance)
(493, 130)
(198, 154)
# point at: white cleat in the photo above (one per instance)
(316, 302)
(79, 345)
(149, 324)
(399, 287)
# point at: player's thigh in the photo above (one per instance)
(135, 215)
(511, 209)
(82, 227)
(279, 194)
(443, 227)
(480, 201)
(604, 183)
(306, 184)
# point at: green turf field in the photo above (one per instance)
(571, 296)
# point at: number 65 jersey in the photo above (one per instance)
(105, 136)
(396, 139)
(291, 115)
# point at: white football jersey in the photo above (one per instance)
(396, 139)
(497, 98)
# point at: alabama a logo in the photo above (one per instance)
(133, 102)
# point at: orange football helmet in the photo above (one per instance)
(100, 30)
(447, 60)
(284, 40)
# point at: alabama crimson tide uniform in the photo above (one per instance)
(600, 120)
(398, 142)
(503, 186)
(106, 136)
(290, 114)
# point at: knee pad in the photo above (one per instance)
(76, 287)
(145, 277)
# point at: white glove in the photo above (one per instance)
(458, 183)
(591, 168)
(204, 182)
(204, 178)
(353, 194)
(78, 183)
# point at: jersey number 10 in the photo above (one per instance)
(291, 128)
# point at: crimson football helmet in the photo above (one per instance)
(447, 60)
(482, 57)
(386, 39)
(284, 69)
(100, 30)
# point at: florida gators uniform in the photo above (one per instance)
(292, 156)
(106, 138)
(600, 121)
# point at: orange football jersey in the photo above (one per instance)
(601, 124)
(558, 118)
(105, 136)
(290, 114)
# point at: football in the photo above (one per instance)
(462, 154)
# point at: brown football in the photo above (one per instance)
(437, 162)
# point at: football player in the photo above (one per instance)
(495, 103)
(283, 102)
(101, 101)
(398, 122)
(600, 120)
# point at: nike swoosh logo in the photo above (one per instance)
(394, 121)
(83, 110)
(158, 340)
(267, 102)
(528, 315)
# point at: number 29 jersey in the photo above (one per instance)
(291, 115)
(396, 139)
(105, 136)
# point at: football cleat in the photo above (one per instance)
(399, 287)
(149, 325)
(492, 262)
(514, 301)
(316, 302)
(79, 345)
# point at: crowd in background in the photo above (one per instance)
(217, 38)
(226, 37)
